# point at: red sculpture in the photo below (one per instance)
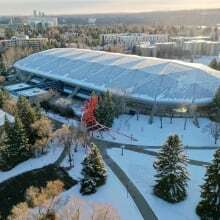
(89, 111)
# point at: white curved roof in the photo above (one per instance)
(143, 78)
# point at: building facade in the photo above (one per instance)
(24, 42)
(129, 40)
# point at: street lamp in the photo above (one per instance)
(122, 150)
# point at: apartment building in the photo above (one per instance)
(24, 41)
(129, 40)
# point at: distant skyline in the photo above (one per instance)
(26, 7)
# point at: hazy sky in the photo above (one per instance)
(100, 6)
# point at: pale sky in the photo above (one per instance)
(8, 7)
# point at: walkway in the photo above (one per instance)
(141, 149)
(137, 197)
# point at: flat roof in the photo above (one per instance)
(17, 86)
(143, 78)
(31, 92)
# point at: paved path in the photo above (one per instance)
(137, 197)
(143, 150)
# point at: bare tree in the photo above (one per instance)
(43, 131)
(214, 130)
(66, 136)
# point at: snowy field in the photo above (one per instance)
(152, 135)
(33, 163)
(139, 168)
(61, 119)
(201, 155)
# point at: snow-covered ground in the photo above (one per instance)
(205, 155)
(139, 168)
(152, 135)
(61, 119)
(202, 155)
(33, 163)
(112, 193)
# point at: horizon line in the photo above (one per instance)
(110, 13)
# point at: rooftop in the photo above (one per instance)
(143, 78)
(31, 92)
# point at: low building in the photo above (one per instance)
(34, 95)
(202, 47)
(181, 39)
(18, 87)
(129, 40)
(146, 50)
(24, 42)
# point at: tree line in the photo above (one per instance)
(27, 136)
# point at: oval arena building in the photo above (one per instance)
(145, 81)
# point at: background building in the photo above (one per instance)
(202, 47)
(39, 19)
(129, 40)
(25, 42)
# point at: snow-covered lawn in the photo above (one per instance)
(139, 168)
(152, 135)
(194, 154)
(33, 163)
(202, 155)
(112, 193)
(61, 119)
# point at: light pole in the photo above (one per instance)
(122, 150)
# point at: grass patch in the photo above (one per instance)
(12, 191)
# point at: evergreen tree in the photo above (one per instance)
(28, 116)
(15, 143)
(94, 171)
(209, 206)
(2, 66)
(172, 176)
(3, 97)
(105, 110)
(218, 66)
(214, 64)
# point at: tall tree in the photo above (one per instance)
(105, 111)
(67, 137)
(4, 96)
(209, 206)
(94, 171)
(2, 66)
(28, 116)
(42, 130)
(172, 176)
(214, 64)
(15, 143)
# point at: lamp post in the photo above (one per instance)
(122, 150)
